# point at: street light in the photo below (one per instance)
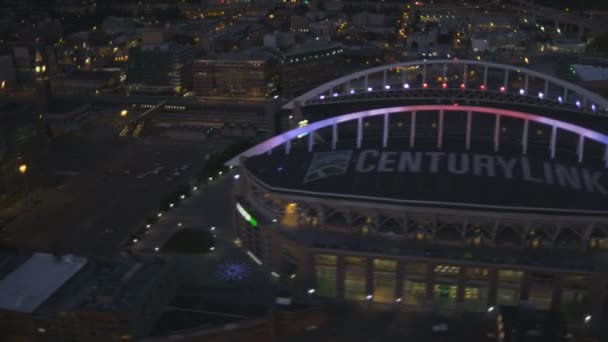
(124, 112)
(22, 169)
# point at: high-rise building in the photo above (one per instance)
(156, 69)
(242, 75)
(308, 65)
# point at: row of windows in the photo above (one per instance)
(445, 287)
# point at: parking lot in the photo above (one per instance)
(103, 188)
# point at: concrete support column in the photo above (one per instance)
(462, 282)
(506, 80)
(288, 147)
(492, 286)
(311, 140)
(340, 277)
(526, 83)
(334, 136)
(430, 280)
(580, 148)
(525, 286)
(524, 138)
(399, 278)
(469, 123)
(556, 297)
(385, 130)
(359, 132)
(413, 130)
(553, 141)
(440, 132)
(369, 275)
(497, 133)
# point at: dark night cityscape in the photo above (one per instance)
(304, 170)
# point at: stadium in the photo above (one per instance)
(446, 184)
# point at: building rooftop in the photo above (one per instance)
(36, 280)
(352, 174)
(589, 73)
(115, 285)
(246, 55)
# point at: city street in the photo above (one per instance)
(209, 206)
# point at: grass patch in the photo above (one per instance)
(189, 242)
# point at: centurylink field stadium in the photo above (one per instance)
(451, 184)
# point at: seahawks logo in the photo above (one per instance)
(325, 164)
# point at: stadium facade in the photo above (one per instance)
(450, 206)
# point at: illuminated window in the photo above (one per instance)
(416, 268)
(414, 292)
(507, 296)
(355, 278)
(325, 260)
(477, 273)
(447, 271)
(541, 296)
(510, 276)
(475, 297)
(384, 280)
(573, 303)
(445, 294)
